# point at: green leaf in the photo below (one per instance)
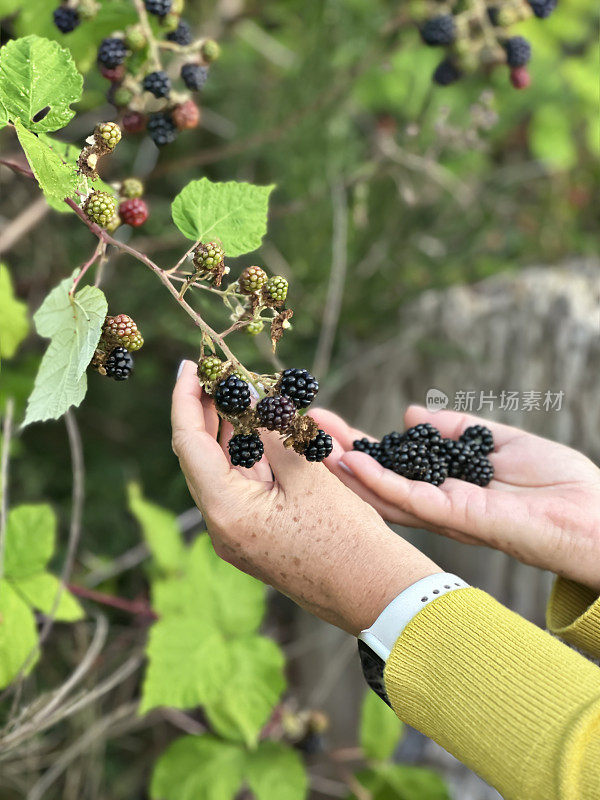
(74, 326)
(198, 768)
(380, 728)
(56, 179)
(231, 600)
(13, 316)
(552, 138)
(234, 213)
(276, 772)
(18, 634)
(247, 688)
(160, 530)
(69, 153)
(40, 592)
(400, 782)
(30, 536)
(36, 73)
(3, 116)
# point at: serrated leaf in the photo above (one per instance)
(69, 153)
(40, 592)
(198, 768)
(234, 213)
(249, 684)
(74, 326)
(13, 316)
(400, 782)
(56, 179)
(18, 634)
(230, 600)
(276, 772)
(380, 728)
(36, 73)
(3, 116)
(30, 537)
(160, 530)
(184, 656)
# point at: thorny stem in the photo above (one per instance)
(137, 607)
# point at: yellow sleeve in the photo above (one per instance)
(507, 699)
(573, 613)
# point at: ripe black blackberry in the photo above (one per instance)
(112, 52)
(393, 440)
(162, 129)
(479, 471)
(232, 395)
(276, 413)
(439, 31)
(119, 364)
(66, 19)
(319, 447)
(245, 450)
(414, 460)
(446, 73)
(157, 83)
(372, 449)
(425, 432)
(479, 438)
(194, 76)
(160, 8)
(456, 456)
(518, 51)
(299, 385)
(542, 8)
(182, 35)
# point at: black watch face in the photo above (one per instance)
(372, 667)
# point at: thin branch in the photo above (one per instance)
(337, 279)
(136, 607)
(98, 252)
(4, 463)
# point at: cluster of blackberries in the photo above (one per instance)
(468, 43)
(422, 454)
(296, 389)
(120, 337)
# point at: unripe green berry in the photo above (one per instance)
(134, 38)
(277, 288)
(108, 134)
(177, 7)
(132, 187)
(210, 368)
(255, 327)
(210, 51)
(122, 97)
(208, 257)
(170, 22)
(113, 223)
(100, 207)
(252, 280)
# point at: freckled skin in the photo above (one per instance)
(303, 531)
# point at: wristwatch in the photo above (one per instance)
(376, 643)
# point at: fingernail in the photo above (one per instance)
(180, 369)
(345, 467)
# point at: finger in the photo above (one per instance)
(389, 511)
(452, 423)
(211, 418)
(474, 511)
(289, 468)
(337, 427)
(200, 456)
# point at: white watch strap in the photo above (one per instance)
(384, 632)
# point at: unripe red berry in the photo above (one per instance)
(133, 212)
(113, 74)
(520, 77)
(134, 122)
(186, 115)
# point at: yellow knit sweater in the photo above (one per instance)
(512, 702)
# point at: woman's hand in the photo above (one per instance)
(289, 523)
(543, 506)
